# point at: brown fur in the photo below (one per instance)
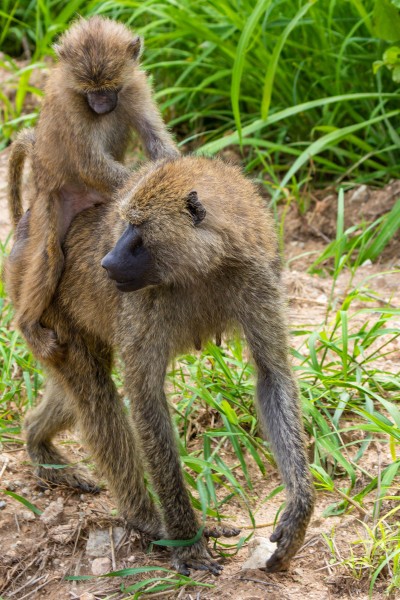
(76, 157)
(222, 273)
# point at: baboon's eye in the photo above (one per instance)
(195, 207)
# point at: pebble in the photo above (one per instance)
(359, 194)
(27, 515)
(100, 566)
(260, 550)
(366, 263)
(87, 596)
(51, 515)
(3, 504)
(10, 486)
(98, 544)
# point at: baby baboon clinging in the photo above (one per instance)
(94, 98)
(192, 253)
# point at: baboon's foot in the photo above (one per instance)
(43, 343)
(289, 535)
(217, 531)
(77, 478)
(195, 557)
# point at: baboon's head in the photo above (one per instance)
(98, 57)
(171, 238)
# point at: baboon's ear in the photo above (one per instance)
(195, 207)
(135, 47)
(58, 49)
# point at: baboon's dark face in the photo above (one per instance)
(102, 101)
(130, 264)
(160, 245)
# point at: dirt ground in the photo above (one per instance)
(35, 557)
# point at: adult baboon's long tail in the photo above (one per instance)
(20, 149)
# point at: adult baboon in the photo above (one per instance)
(95, 97)
(196, 248)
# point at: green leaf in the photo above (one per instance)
(180, 543)
(23, 501)
(238, 66)
(386, 21)
(273, 63)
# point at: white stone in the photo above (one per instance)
(359, 194)
(100, 566)
(99, 544)
(27, 515)
(51, 515)
(260, 550)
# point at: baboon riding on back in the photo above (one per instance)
(96, 96)
(189, 251)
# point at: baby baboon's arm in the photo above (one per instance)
(156, 139)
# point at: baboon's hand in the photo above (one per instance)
(217, 531)
(289, 536)
(195, 557)
(44, 343)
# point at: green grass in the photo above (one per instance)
(290, 84)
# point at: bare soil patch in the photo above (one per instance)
(35, 557)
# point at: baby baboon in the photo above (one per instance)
(95, 97)
(192, 253)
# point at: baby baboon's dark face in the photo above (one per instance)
(102, 101)
(130, 264)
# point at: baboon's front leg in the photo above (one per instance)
(278, 405)
(152, 421)
(52, 415)
(108, 432)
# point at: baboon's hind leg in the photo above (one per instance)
(109, 434)
(53, 415)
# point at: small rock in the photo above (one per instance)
(366, 263)
(100, 566)
(87, 596)
(360, 194)
(51, 515)
(27, 515)
(16, 545)
(260, 550)
(322, 299)
(131, 559)
(62, 534)
(99, 544)
(10, 486)
(3, 504)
